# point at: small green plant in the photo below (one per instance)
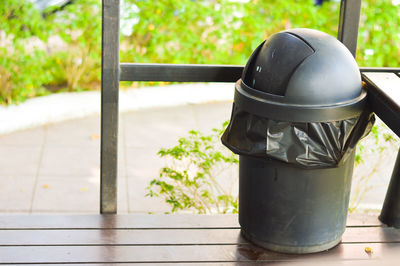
(192, 181)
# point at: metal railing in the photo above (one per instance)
(113, 72)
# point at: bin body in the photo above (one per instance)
(299, 110)
(293, 210)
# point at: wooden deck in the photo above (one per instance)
(173, 239)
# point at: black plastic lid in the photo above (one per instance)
(301, 75)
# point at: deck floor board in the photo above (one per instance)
(173, 239)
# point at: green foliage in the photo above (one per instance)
(21, 75)
(21, 19)
(167, 31)
(223, 32)
(192, 181)
(79, 26)
(28, 63)
(379, 34)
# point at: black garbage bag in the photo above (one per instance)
(303, 144)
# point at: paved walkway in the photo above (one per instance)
(55, 168)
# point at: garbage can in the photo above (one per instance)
(299, 110)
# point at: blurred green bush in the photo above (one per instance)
(60, 49)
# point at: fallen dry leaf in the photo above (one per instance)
(95, 136)
(368, 250)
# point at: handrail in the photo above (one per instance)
(384, 97)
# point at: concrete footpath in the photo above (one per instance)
(55, 167)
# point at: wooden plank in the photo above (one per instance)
(370, 262)
(141, 221)
(371, 235)
(130, 221)
(109, 106)
(168, 236)
(121, 237)
(157, 246)
(165, 254)
(384, 97)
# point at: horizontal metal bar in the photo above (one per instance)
(180, 72)
(380, 69)
(197, 73)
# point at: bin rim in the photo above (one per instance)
(273, 106)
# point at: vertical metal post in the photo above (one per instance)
(348, 24)
(390, 214)
(109, 106)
